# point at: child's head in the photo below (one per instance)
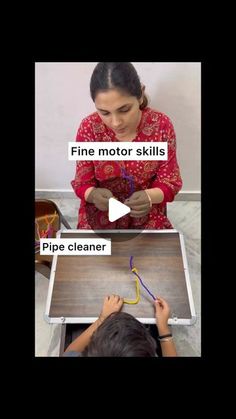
(121, 335)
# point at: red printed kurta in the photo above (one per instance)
(153, 126)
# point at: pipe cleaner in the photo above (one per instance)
(135, 272)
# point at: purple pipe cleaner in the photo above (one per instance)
(131, 267)
(129, 179)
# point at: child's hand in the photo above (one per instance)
(111, 304)
(162, 315)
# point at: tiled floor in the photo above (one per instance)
(186, 218)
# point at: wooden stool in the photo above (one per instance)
(47, 211)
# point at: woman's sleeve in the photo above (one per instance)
(84, 175)
(168, 177)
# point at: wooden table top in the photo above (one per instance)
(81, 282)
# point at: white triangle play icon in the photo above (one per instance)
(117, 210)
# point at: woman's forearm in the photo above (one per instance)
(156, 195)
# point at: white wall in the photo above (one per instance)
(62, 100)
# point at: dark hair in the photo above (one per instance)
(121, 335)
(122, 76)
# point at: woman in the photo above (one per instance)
(145, 186)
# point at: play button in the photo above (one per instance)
(116, 210)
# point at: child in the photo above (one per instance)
(118, 334)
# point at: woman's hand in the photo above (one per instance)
(111, 304)
(100, 198)
(162, 315)
(139, 203)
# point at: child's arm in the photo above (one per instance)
(111, 304)
(162, 315)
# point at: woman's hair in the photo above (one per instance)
(122, 76)
(121, 335)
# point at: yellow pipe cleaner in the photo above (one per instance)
(53, 218)
(137, 291)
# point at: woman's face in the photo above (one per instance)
(118, 111)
